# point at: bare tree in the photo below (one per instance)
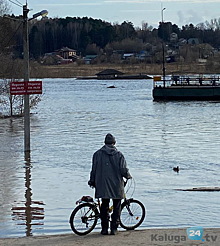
(10, 105)
(13, 105)
(214, 24)
(4, 7)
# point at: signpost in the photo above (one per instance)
(26, 87)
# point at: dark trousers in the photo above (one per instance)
(104, 213)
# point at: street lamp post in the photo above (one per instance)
(163, 49)
(26, 79)
(162, 14)
(27, 148)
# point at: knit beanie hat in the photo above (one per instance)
(110, 139)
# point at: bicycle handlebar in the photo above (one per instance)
(126, 181)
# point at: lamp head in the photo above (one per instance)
(41, 13)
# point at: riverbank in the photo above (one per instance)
(74, 70)
(148, 237)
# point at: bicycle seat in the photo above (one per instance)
(85, 199)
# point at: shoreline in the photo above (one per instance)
(149, 237)
(76, 71)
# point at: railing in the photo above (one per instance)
(186, 81)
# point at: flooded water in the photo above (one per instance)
(70, 123)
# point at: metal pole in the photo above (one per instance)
(163, 50)
(164, 69)
(26, 79)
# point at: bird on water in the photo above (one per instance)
(176, 169)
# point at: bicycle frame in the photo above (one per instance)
(97, 205)
(84, 217)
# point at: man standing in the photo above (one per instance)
(108, 169)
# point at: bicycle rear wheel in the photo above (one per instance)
(84, 218)
(132, 214)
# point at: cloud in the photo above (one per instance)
(101, 2)
(166, 1)
(181, 16)
(189, 16)
(69, 4)
(139, 10)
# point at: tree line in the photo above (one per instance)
(92, 36)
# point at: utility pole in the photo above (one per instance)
(27, 148)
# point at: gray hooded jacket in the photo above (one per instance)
(108, 169)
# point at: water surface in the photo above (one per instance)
(70, 124)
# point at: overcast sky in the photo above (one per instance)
(180, 12)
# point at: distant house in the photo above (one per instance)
(170, 58)
(193, 41)
(143, 55)
(173, 37)
(64, 55)
(88, 59)
(128, 55)
(182, 41)
(67, 53)
(53, 59)
(108, 74)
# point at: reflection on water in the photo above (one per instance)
(37, 195)
(29, 213)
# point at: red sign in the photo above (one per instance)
(34, 87)
(26, 88)
(17, 88)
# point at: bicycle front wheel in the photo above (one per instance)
(132, 214)
(84, 218)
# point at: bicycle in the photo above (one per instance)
(85, 216)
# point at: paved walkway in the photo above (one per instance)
(148, 237)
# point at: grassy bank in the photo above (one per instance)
(74, 70)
